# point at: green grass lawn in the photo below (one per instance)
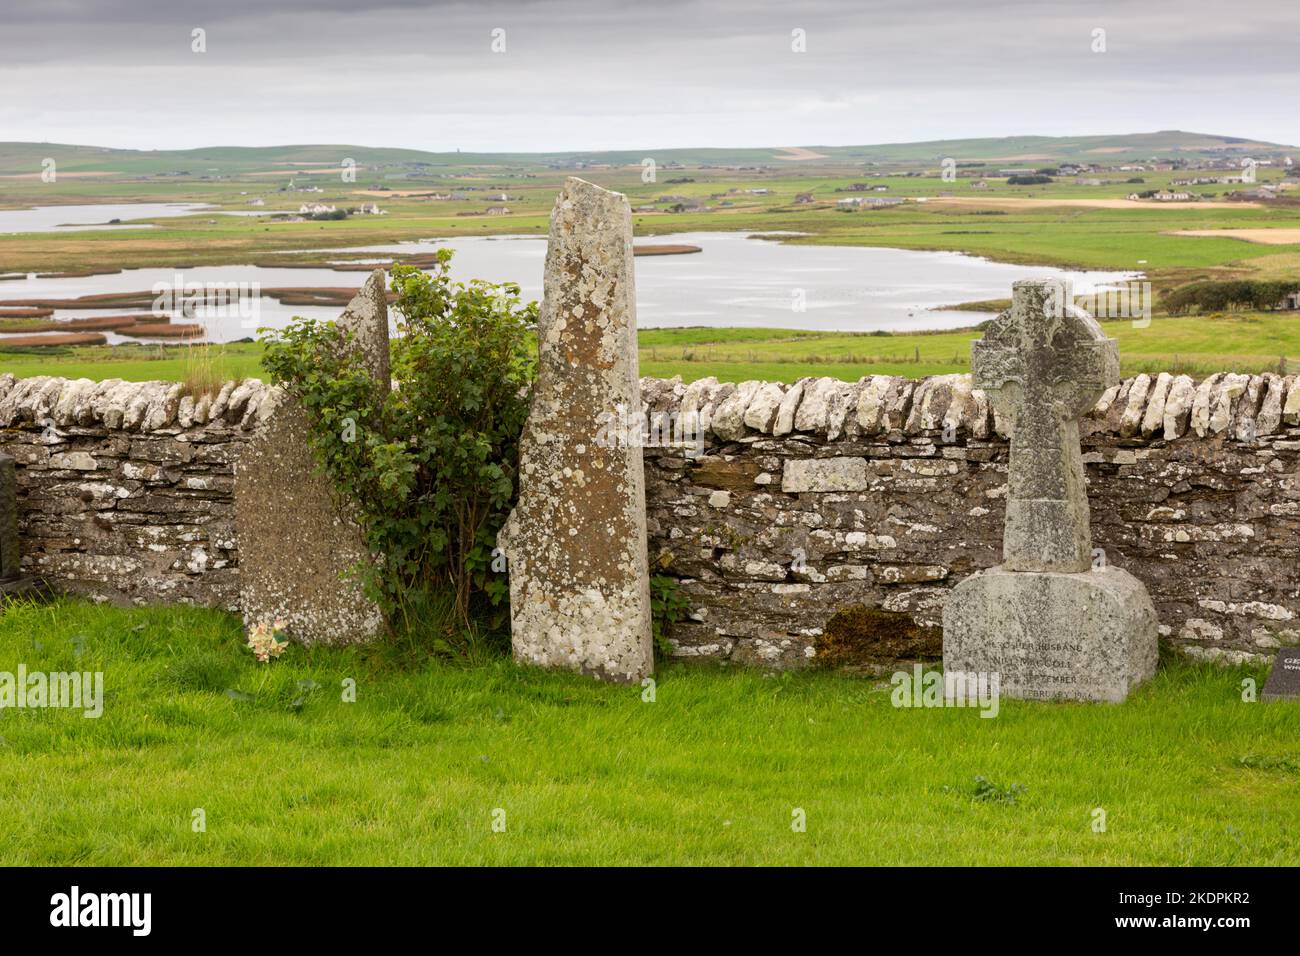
(134, 363)
(708, 773)
(1199, 345)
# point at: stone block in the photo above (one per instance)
(1087, 635)
(824, 474)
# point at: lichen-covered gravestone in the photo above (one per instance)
(298, 543)
(1049, 620)
(576, 541)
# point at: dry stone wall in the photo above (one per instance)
(823, 521)
(829, 520)
(125, 489)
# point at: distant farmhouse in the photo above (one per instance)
(1261, 192)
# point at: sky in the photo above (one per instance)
(629, 74)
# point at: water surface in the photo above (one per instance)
(734, 281)
(92, 216)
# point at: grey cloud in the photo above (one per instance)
(638, 74)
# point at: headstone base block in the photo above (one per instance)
(1051, 635)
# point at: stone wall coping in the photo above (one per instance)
(1144, 408)
(131, 406)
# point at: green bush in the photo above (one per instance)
(431, 467)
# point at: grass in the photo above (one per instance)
(137, 363)
(1199, 345)
(205, 370)
(709, 773)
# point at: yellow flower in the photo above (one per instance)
(265, 642)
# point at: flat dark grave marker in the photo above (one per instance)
(1284, 679)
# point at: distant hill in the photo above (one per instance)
(1166, 144)
(25, 158)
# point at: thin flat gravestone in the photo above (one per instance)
(575, 542)
(1284, 679)
(298, 543)
(1052, 623)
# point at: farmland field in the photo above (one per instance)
(1064, 223)
(1250, 342)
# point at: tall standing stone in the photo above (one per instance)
(366, 319)
(298, 543)
(576, 540)
(1049, 620)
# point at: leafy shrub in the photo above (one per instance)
(431, 466)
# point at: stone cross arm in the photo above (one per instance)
(1053, 352)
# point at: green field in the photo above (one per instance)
(286, 772)
(1062, 223)
(1252, 342)
(994, 222)
(1128, 239)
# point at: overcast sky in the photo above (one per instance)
(639, 73)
